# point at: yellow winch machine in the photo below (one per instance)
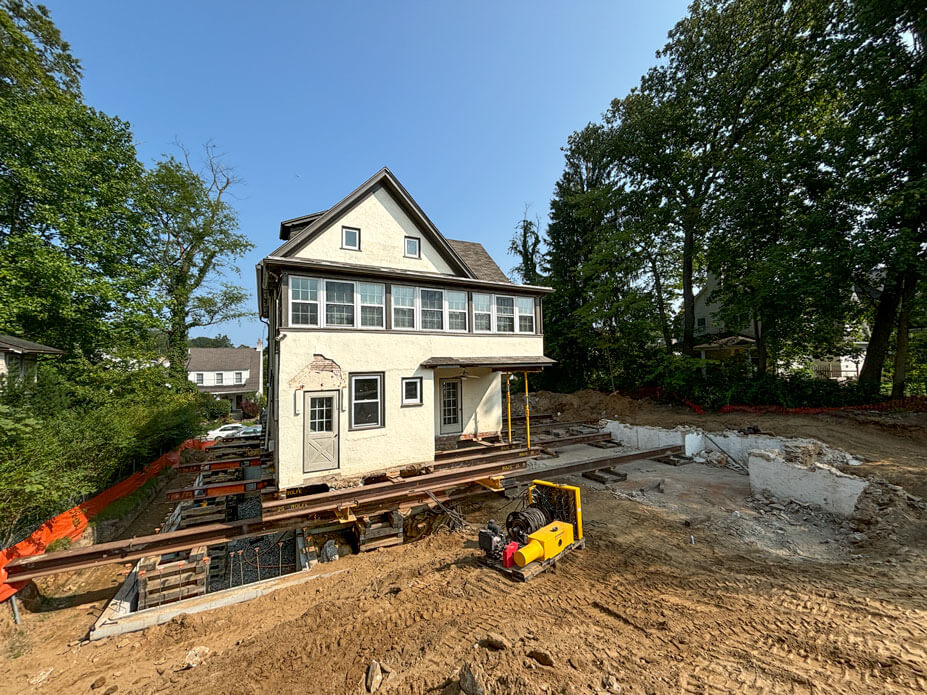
(536, 537)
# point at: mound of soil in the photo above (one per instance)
(579, 406)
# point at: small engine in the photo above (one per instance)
(492, 541)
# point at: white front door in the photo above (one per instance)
(449, 402)
(320, 436)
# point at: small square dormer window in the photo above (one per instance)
(350, 238)
(413, 247)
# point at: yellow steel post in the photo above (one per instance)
(508, 401)
(527, 413)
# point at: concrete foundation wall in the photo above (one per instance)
(812, 483)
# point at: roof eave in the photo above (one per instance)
(407, 275)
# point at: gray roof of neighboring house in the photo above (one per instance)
(9, 343)
(478, 260)
(226, 360)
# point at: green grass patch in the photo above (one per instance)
(122, 507)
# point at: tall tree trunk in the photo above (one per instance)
(688, 297)
(870, 375)
(762, 354)
(661, 304)
(901, 341)
(177, 337)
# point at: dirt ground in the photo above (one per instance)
(893, 444)
(700, 588)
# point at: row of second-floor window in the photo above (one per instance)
(319, 303)
(217, 378)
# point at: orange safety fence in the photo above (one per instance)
(911, 403)
(71, 524)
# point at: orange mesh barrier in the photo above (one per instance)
(71, 524)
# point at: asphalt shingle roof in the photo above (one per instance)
(478, 260)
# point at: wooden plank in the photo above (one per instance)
(593, 475)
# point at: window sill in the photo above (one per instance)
(411, 405)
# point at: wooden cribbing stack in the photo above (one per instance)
(161, 582)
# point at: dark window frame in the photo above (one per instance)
(402, 392)
(405, 247)
(361, 375)
(344, 246)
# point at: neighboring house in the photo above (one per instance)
(18, 357)
(386, 339)
(231, 373)
(716, 342)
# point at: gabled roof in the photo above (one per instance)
(9, 343)
(479, 261)
(221, 359)
(301, 230)
(226, 360)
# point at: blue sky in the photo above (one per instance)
(467, 103)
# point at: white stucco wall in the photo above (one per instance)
(481, 400)
(383, 226)
(409, 432)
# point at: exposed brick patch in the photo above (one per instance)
(309, 376)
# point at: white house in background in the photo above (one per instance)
(19, 357)
(230, 373)
(386, 339)
(714, 341)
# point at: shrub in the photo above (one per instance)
(101, 429)
(214, 408)
(250, 409)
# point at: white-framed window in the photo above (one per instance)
(505, 315)
(219, 376)
(238, 378)
(432, 309)
(412, 391)
(456, 310)
(366, 401)
(350, 238)
(524, 306)
(482, 313)
(403, 307)
(199, 378)
(413, 247)
(304, 301)
(372, 299)
(339, 303)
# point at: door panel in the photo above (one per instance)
(449, 404)
(321, 412)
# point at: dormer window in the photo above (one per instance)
(350, 238)
(413, 247)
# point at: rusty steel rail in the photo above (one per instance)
(447, 485)
(221, 464)
(595, 464)
(221, 489)
(573, 439)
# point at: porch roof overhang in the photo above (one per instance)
(497, 364)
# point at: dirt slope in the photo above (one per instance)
(641, 603)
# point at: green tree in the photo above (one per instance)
(34, 58)
(878, 59)
(220, 341)
(193, 238)
(68, 231)
(525, 246)
(579, 212)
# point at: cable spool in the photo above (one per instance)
(523, 523)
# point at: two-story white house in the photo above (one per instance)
(386, 339)
(230, 373)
